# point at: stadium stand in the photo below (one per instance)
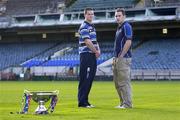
(29, 20)
(79, 5)
(27, 7)
(158, 3)
(157, 54)
(13, 54)
(70, 58)
(43, 58)
(146, 56)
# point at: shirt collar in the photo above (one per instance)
(120, 25)
(89, 23)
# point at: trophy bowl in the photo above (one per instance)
(41, 97)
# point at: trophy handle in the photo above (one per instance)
(56, 91)
(27, 92)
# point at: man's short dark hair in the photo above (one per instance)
(121, 10)
(87, 9)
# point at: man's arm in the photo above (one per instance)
(99, 48)
(90, 45)
(128, 37)
(126, 47)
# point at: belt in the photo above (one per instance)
(84, 44)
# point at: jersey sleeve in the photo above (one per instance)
(128, 32)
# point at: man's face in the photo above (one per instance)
(89, 15)
(119, 17)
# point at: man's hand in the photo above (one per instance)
(97, 53)
(120, 56)
(114, 61)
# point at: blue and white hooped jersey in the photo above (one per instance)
(87, 31)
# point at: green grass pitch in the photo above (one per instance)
(152, 101)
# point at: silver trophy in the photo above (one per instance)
(40, 97)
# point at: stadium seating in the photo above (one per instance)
(79, 5)
(13, 54)
(24, 7)
(44, 57)
(157, 54)
(166, 2)
(145, 56)
(70, 58)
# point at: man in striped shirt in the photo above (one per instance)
(89, 51)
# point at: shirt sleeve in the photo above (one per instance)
(128, 32)
(84, 32)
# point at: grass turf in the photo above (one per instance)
(152, 101)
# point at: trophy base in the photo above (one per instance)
(41, 110)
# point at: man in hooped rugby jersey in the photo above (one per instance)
(89, 52)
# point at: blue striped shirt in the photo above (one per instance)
(87, 31)
(123, 33)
